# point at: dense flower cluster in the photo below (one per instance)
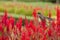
(32, 30)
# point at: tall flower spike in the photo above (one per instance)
(4, 17)
(40, 30)
(26, 22)
(58, 20)
(33, 27)
(43, 23)
(8, 24)
(58, 12)
(49, 14)
(49, 32)
(1, 27)
(12, 21)
(23, 36)
(34, 13)
(53, 24)
(19, 23)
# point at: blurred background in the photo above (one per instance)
(18, 8)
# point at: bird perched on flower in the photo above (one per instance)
(42, 17)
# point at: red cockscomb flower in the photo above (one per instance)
(44, 38)
(49, 32)
(34, 13)
(11, 20)
(4, 18)
(19, 23)
(1, 28)
(26, 23)
(32, 26)
(43, 23)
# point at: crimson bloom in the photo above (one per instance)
(44, 38)
(43, 23)
(11, 20)
(58, 13)
(8, 24)
(50, 32)
(33, 27)
(34, 13)
(4, 18)
(5, 37)
(19, 23)
(53, 25)
(23, 36)
(26, 23)
(58, 20)
(1, 27)
(0, 37)
(40, 30)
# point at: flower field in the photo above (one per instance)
(12, 29)
(23, 21)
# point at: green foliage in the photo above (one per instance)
(53, 13)
(1, 9)
(11, 10)
(29, 13)
(22, 11)
(46, 13)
